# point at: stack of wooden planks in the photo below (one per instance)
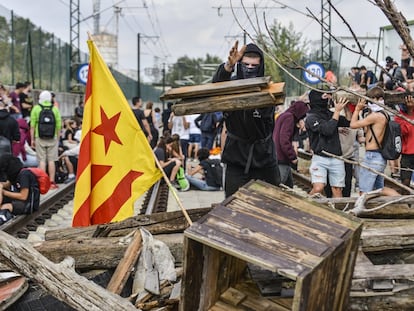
(226, 96)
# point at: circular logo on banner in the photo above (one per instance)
(317, 69)
(83, 73)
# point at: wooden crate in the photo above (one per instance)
(262, 225)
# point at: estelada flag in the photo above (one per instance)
(116, 164)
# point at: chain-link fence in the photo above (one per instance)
(30, 54)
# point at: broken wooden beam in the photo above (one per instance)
(100, 253)
(60, 280)
(167, 222)
(126, 265)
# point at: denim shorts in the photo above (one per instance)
(368, 180)
(321, 167)
(195, 138)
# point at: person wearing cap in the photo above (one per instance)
(322, 127)
(249, 151)
(46, 148)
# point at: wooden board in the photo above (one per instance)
(219, 88)
(11, 290)
(272, 95)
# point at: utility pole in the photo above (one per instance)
(139, 37)
(74, 40)
(237, 37)
(326, 46)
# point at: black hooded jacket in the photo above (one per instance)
(249, 141)
(321, 128)
(8, 126)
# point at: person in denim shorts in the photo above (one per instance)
(322, 127)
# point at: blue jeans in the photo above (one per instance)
(207, 140)
(200, 184)
(368, 180)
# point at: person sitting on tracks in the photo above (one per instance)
(170, 166)
(20, 193)
(209, 181)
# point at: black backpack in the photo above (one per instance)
(208, 122)
(392, 142)
(216, 171)
(47, 122)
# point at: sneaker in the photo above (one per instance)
(53, 186)
(70, 179)
(175, 185)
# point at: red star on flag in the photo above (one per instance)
(107, 129)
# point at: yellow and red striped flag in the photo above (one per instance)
(116, 164)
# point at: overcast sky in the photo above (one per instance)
(194, 27)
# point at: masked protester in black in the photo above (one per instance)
(249, 151)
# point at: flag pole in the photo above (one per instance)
(173, 190)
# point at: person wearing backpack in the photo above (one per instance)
(45, 125)
(374, 125)
(407, 133)
(210, 180)
(20, 194)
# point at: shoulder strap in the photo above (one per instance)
(372, 131)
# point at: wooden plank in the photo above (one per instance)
(283, 211)
(384, 272)
(192, 278)
(239, 244)
(210, 89)
(255, 301)
(167, 222)
(60, 280)
(387, 238)
(126, 265)
(229, 103)
(11, 290)
(270, 229)
(233, 297)
(222, 306)
(304, 205)
(99, 253)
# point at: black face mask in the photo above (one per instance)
(249, 72)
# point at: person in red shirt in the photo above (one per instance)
(407, 133)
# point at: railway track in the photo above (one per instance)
(20, 226)
(156, 201)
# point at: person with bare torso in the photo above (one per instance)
(374, 123)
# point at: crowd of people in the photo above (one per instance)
(262, 144)
(32, 135)
(223, 151)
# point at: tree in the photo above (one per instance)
(285, 44)
(190, 71)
